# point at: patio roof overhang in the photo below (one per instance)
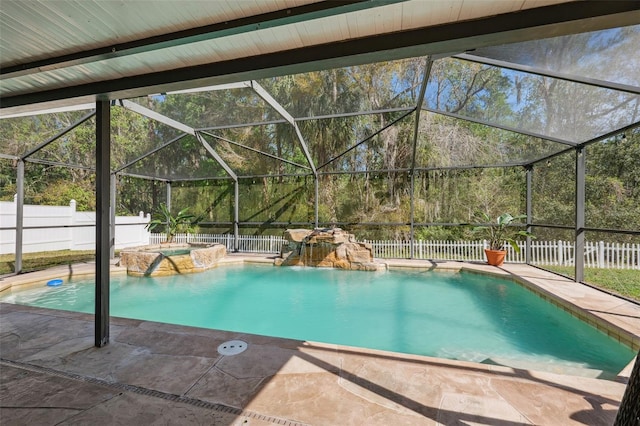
(84, 55)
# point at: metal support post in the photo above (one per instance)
(316, 181)
(19, 216)
(168, 195)
(236, 214)
(416, 131)
(412, 216)
(580, 212)
(529, 209)
(168, 202)
(103, 145)
(112, 218)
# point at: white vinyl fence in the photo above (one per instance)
(63, 228)
(598, 254)
(246, 243)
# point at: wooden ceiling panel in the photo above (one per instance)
(47, 29)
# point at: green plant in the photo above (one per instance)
(500, 232)
(182, 222)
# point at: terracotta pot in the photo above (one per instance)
(495, 257)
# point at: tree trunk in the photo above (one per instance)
(629, 412)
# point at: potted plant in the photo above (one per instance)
(182, 222)
(498, 234)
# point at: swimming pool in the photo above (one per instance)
(462, 315)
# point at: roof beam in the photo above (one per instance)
(305, 150)
(228, 86)
(501, 127)
(216, 156)
(193, 35)
(589, 142)
(266, 96)
(69, 108)
(371, 136)
(153, 151)
(58, 135)
(257, 151)
(309, 118)
(146, 112)
(182, 127)
(145, 177)
(59, 164)
(547, 73)
(356, 113)
(416, 125)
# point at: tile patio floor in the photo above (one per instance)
(154, 373)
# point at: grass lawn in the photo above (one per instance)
(43, 260)
(625, 282)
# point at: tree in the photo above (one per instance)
(182, 222)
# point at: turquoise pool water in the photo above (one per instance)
(460, 316)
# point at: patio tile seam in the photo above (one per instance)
(509, 401)
(195, 382)
(139, 390)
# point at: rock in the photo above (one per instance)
(357, 253)
(204, 257)
(296, 235)
(326, 248)
(176, 259)
(137, 263)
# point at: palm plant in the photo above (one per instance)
(501, 232)
(182, 222)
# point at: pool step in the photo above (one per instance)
(523, 364)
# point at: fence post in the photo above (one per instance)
(73, 232)
(559, 253)
(600, 254)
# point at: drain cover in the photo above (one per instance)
(232, 347)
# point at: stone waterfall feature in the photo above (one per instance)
(171, 259)
(328, 248)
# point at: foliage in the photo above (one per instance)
(613, 182)
(374, 195)
(60, 193)
(213, 200)
(501, 231)
(612, 198)
(182, 222)
(138, 195)
(554, 191)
